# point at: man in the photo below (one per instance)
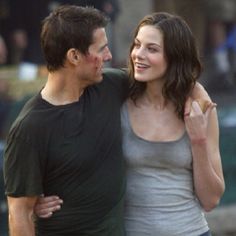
(66, 140)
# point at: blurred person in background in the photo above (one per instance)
(4, 30)
(5, 106)
(3, 51)
(4, 109)
(27, 16)
(221, 21)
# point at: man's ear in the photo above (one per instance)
(73, 56)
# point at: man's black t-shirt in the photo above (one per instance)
(73, 151)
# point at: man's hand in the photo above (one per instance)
(197, 119)
(199, 94)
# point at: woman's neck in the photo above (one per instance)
(153, 96)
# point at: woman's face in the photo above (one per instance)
(148, 54)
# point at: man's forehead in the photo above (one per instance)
(99, 37)
(99, 32)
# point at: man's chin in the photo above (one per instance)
(99, 78)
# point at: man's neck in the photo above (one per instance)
(62, 89)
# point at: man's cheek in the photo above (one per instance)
(96, 60)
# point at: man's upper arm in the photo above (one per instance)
(21, 204)
(21, 215)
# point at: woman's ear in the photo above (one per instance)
(73, 56)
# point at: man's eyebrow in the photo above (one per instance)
(102, 47)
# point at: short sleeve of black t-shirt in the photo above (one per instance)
(18, 168)
(22, 164)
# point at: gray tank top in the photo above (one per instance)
(160, 200)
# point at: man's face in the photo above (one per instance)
(98, 53)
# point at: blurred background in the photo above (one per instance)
(213, 22)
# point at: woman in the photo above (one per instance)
(174, 170)
(173, 160)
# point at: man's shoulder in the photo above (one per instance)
(117, 81)
(30, 116)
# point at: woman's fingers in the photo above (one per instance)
(210, 107)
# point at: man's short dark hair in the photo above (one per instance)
(68, 27)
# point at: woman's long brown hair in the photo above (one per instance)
(181, 54)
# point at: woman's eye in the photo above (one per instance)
(152, 49)
(136, 45)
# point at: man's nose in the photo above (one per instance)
(108, 55)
